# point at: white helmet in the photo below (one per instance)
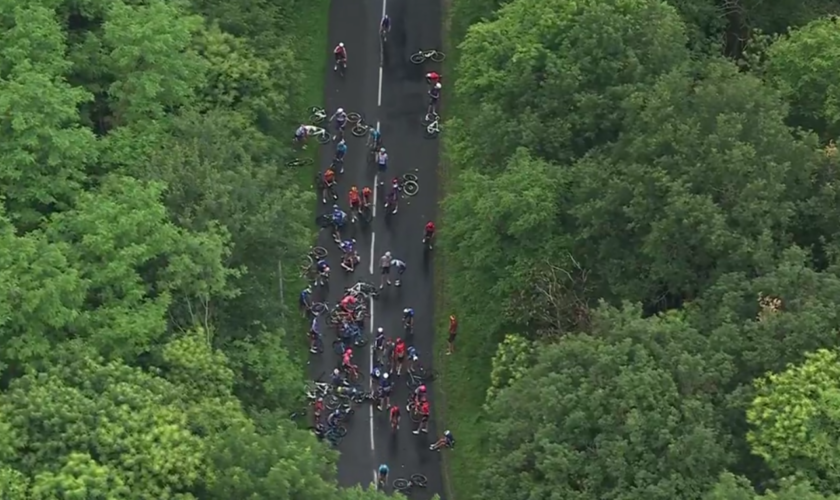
(387, 254)
(405, 311)
(340, 110)
(385, 375)
(336, 372)
(438, 85)
(341, 44)
(380, 329)
(447, 433)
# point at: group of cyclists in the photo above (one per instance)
(395, 357)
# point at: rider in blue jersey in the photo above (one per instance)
(314, 335)
(340, 151)
(305, 299)
(384, 27)
(375, 139)
(400, 266)
(323, 269)
(385, 385)
(408, 318)
(411, 353)
(339, 217)
(383, 475)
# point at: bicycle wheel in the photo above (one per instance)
(415, 417)
(438, 56)
(359, 130)
(316, 118)
(410, 188)
(339, 431)
(331, 402)
(417, 58)
(401, 484)
(319, 252)
(324, 220)
(354, 117)
(419, 480)
(409, 177)
(324, 138)
(430, 132)
(318, 308)
(317, 110)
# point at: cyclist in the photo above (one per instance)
(425, 411)
(339, 217)
(340, 55)
(340, 118)
(432, 78)
(355, 202)
(446, 441)
(453, 330)
(334, 418)
(314, 336)
(382, 163)
(385, 385)
(411, 353)
(379, 343)
(429, 234)
(340, 151)
(348, 304)
(327, 183)
(393, 195)
(374, 141)
(323, 269)
(400, 266)
(385, 269)
(408, 319)
(336, 379)
(349, 258)
(434, 95)
(419, 396)
(383, 476)
(317, 408)
(301, 134)
(395, 417)
(367, 197)
(305, 300)
(384, 27)
(347, 363)
(399, 355)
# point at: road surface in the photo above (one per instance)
(389, 91)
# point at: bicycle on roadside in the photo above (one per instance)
(415, 480)
(431, 122)
(422, 56)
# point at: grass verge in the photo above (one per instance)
(463, 377)
(308, 27)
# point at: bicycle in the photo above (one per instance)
(417, 377)
(360, 129)
(318, 308)
(422, 56)
(409, 185)
(418, 480)
(321, 135)
(432, 123)
(354, 117)
(299, 162)
(317, 115)
(312, 256)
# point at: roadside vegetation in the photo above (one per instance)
(640, 240)
(146, 214)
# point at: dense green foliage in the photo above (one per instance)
(645, 193)
(144, 345)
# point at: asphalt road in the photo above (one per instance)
(388, 90)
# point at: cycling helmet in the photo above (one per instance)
(452, 317)
(422, 388)
(340, 110)
(336, 372)
(320, 400)
(405, 311)
(399, 340)
(381, 150)
(354, 189)
(353, 241)
(335, 207)
(447, 434)
(366, 189)
(385, 375)
(349, 352)
(438, 85)
(380, 330)
(387, 254)
(341, 44)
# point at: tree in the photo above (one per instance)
(550, 75)
(732, 487)
(44, 151)
(705, 180)
(614, 418)
(795, 416)
(802, 65)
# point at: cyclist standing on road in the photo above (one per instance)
(383, 475)
(340, 151)
(379, 343)
(399, 355)
(408, 319)
(305, 300)
(395, 417)
(392, 199)
(385, 269)
(429, 234)
(385, 385)
(340, 118)
(412, 358)
(385, 27)
(327, 183)
(323, 270)
(340, 55)
(374, 141)
(400, 266)
(434, 95)
(382, 163)
(367, 197)
(339, 217)
(314, 336)
(355, 202)
(425, 410)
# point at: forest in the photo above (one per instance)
(146, 345)
(641, 241)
